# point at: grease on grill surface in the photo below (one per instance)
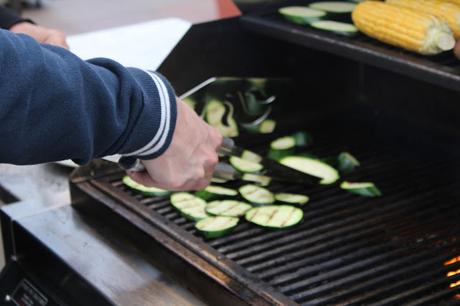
(394, 250)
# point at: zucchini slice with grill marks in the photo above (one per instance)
(367, 189)
(275, 216)
(256, 194)
(214, 227)
(313, 167)
(213, 192)
(190, 206)
(244, 165)
(292, 198)
(149, 191)
(227, 208)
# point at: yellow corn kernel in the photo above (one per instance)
(449, 12)
(405, 28)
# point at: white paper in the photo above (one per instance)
(144, 45)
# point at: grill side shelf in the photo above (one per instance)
(442, 70)
(209, 261)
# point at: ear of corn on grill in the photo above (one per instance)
(402, 27)
(449, 12)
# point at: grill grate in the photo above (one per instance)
(352, 250)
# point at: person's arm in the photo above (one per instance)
(54, 106)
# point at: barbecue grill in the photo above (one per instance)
(396, 111)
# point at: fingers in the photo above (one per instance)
(56, 38)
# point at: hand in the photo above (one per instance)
(41, 34)
(189, 161)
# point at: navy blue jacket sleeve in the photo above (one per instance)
(55, 106)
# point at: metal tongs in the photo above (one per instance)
(272, 169)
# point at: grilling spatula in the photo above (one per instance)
(272, 169)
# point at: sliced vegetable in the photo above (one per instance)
(215, 111)
(313, 167)
(336, 7)
(259, 179)
(228, 208)
(150, 191)
(251, 156)
(218, 180)
(347, 162)
(244, 165)
(212, 192)
(291, 198)
(367, 189)
(335, 26)
(267, 126)
(275, 216)
(301, 14)
(279, 154)
(213, 227)
(283, 143)
(190, 206)
(302, 139)
(256, 194)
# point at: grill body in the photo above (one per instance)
(400, 249)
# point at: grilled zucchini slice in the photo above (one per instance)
(227, 208)
(149, 191)
(367, 189)
(291, 198)
(313, 167)
(244, 165)
(256, 194)
(275, 216)
(189, 206)
(214, 227)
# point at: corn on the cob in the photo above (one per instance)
(449, 12)
(405, 28)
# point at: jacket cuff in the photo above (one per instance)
(155, 126)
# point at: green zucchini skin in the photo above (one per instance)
(205, 227)
(256, 195)
(275, 216)
(347, 162)
(367, 189)
(148, 191)
(302, 139)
